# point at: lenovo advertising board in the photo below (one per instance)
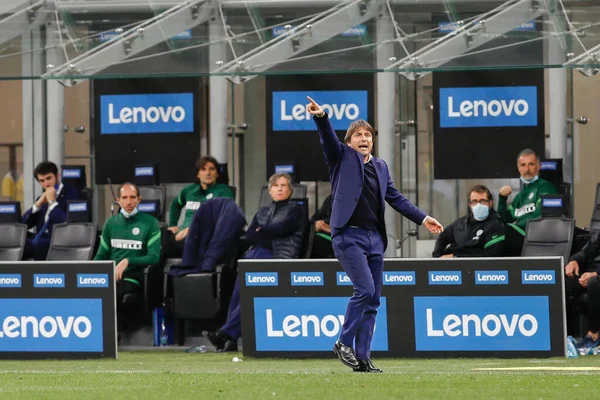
(487, 307)
(146, 121)
(57, 310)
(291, 134)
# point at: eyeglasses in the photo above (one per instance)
(484, 202)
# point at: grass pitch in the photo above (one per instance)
(170, 375)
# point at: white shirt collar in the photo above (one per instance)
(370, 158)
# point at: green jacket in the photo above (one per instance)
(136, 238)
(526, 205)
(191, 197)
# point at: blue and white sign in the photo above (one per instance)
(445, 277)
(147, 207)
(78, 207)
(358, 30)
(552, 203)
(92, 280)
(307, 278)
(486, 323)
(144, 171)
(262, 279)
(549, 165)
(307, 323)
(71, 173)
(342, 106)
(109, 35)
(8, 208)
(10, 280)
(284, 169)
(146, 113)
(538, 277)
(36, 325)
(469, 107)
(342, 279)
(446, 26)
(49, 280)
(491, 277)
(399, 278)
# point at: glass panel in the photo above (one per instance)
(172, 37)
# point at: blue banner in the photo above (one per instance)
(469, 107)
(307, 323)
(146, 113)
(487, 323)
(342, 106)
(53, 325)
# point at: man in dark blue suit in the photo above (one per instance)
(360, 186)
(49, 209)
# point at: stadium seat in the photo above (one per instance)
(158, 193)
(12, 241)
(204, 295)
(551, 236)
(72, 242)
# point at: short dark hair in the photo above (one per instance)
(137, 190)
(480, 189)
(44, 168)
(527, 152)
(354, 126)
(202, 161)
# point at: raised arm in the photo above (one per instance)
(329, 140)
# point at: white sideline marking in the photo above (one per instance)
(539, 369)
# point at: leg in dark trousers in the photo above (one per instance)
(129, 305)
(233, 325)
(360, 253)
(322, 247)
(364, 335)
(172, 248)
(513, 242)
(593, 310)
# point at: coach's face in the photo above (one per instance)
(361, 141)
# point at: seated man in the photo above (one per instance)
(132, 240)
(322, 247)
(275, 232)
(582, 276)
(478, 234)
(49, 209)
(190, 197)
(526, 205)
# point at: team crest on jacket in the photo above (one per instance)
(530, 196)
(209, 196)
(479, 232)
(135, 231)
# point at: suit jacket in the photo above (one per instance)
(347, 172)
(57, 215)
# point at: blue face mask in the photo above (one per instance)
(527, 182)
(480, 212)
(129, 215)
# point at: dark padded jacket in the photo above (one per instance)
(282, 226)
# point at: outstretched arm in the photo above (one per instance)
(329, 140)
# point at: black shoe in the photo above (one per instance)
(230, 346)
(345, 354)
(216, 338)
(367, 366)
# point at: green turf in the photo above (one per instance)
(176, 375)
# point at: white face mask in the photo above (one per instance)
(129, 215)
(480, 212)
(525, 181)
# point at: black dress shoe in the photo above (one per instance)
(216, 338)
(345, 354)
(229, 346)
(367, 366)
